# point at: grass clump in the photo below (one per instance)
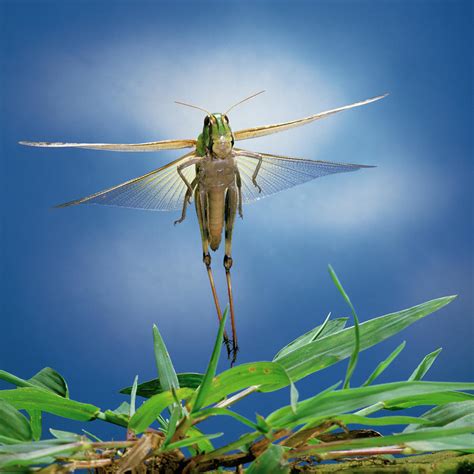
(163, 435)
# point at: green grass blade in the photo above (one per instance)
(206, 385)
(384, 364)
(43, 455)
(122, 409)
(49, 379)
(203, 446)
(133, 396)
(65, 436)
(273, 460)
(335, 403)
(268, 376)
(328, 350)
(355, 352)
(26, 447)
(424, 365)
(92, 436)
(461, 442)
(224, 412)
(35, 422)
(353, 419)
(445, 414)
(13, 425)
(114, 418)
(391, 440)
(294, 395)
(464, 442)
(30, 398)
(120, 416)
(166, 372)
(192, 440)
(440, 398)
(149, 411)
(172, 423)
(325, 329)
(46, 378)
(153, 387)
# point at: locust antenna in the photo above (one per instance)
(193, 106)
(244, 100)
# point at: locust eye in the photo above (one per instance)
(206, 121)
(226, 118)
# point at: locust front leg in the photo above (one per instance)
(201, 211)
(231, 204)
(187, 200)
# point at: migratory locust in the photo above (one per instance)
(220, 177)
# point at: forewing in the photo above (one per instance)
(160, 190)
(149, 146)
(282, 172)
(280, 127)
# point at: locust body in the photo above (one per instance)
(219, 176)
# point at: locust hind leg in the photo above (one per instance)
(200, 201)
(231, 205)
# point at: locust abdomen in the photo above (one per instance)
(216, 202)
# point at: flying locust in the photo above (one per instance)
(219, 176)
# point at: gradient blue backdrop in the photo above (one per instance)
(81, 287)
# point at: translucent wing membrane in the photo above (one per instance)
(149, 146)
(160, 190)
(282, 172)
(256, 132)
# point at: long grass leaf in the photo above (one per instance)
(13, 424)
(463, 442)
(202, 446)
(268, 376)
(36, 423)
(207, 412)
(30, 398)
(46, 378)
(384, 364)
(205, 387)
(391, 440)
(153, 387)
(352, 418)
(192, 440)
(424, 365)
(439, 398)
(328, 350)
(445, 414)
(343, 401)
(147, 413)
(166, 372)
(40, 456)
(355, 352)
(92, 436)
(133, 396)
(173, 421)
(325, 329)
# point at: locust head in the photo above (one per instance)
(217, 135)
(216, 138)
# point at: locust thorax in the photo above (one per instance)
(217, 135)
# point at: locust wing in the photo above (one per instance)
(158, 190)
(282, 172)
(256, 132)
(148, 146)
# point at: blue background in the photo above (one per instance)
(81, 287)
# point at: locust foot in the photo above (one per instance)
(233, 353)
(228, 346)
